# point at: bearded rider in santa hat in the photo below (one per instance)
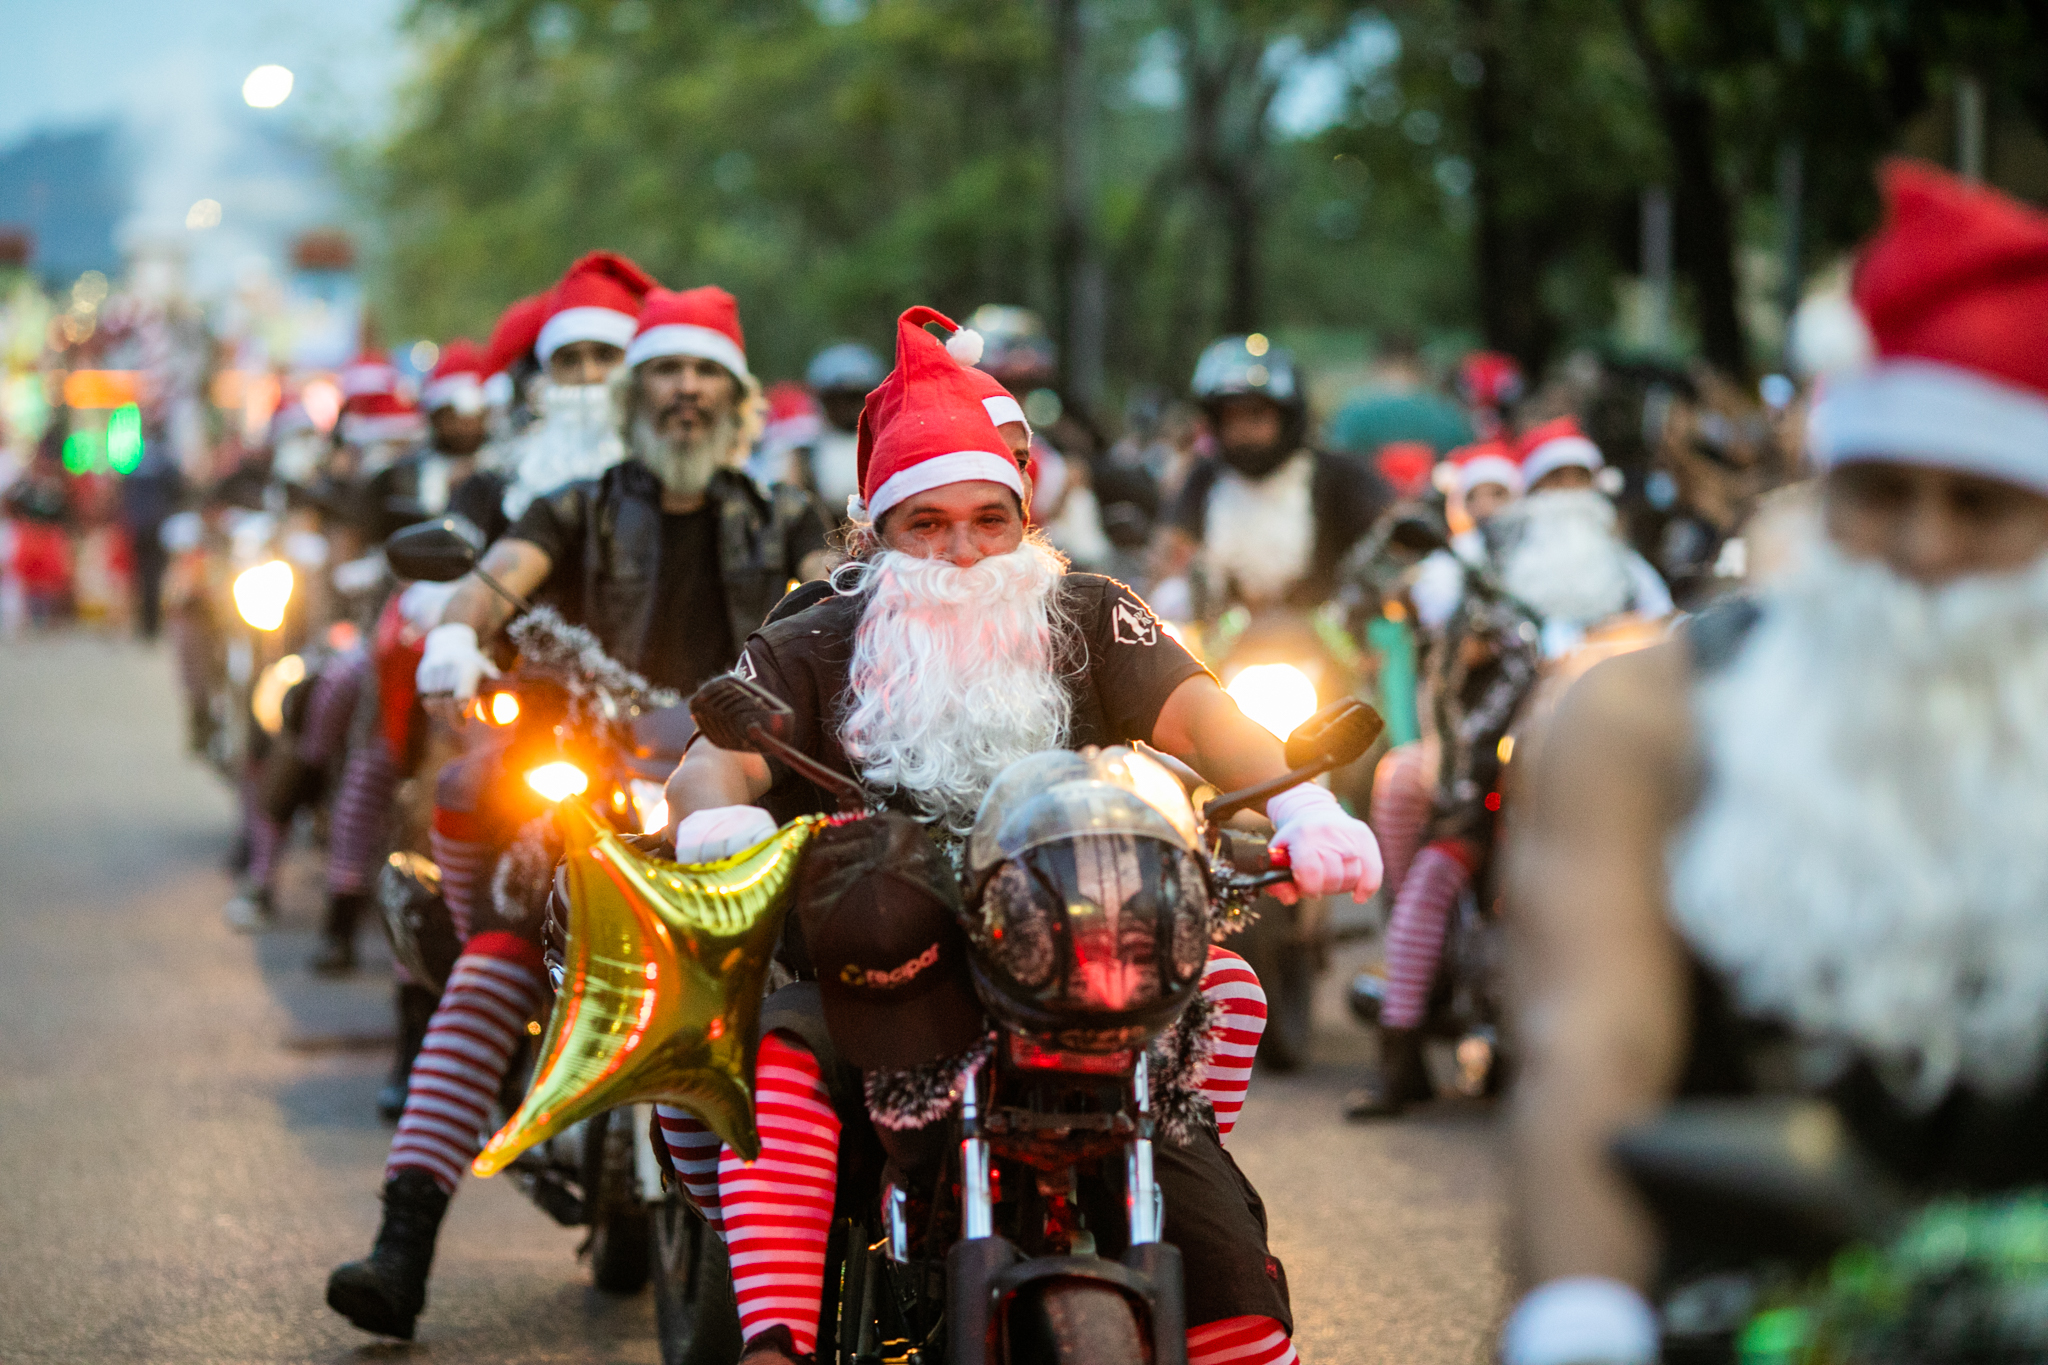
(1815, 820)
(671, 559)
(954, 644)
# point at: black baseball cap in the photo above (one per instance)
(879, 907)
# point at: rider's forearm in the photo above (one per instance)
(709, 777)
(520, 566)
(1202, 727)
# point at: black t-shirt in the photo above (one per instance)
(1119, 666)
(684, 647)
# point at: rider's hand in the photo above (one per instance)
(1330, 852)
(1584, 1320)
(453, 662)
(707, 835)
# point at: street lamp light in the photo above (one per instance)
(266, 87)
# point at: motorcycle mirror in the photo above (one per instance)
(729, 708)
(1338, 734)
(1416, 536)
(431, 552)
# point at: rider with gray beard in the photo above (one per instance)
(670, 558)
(1800, 849)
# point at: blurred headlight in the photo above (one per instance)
(266, 701)
(558, 781)
(504, 708)
(1277, 696)
(650, 801)
(262, 592)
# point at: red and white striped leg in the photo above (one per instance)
(496, 986)
(777, 1209)
(1415, 931)
(1230, 984)
(693, 1149)
(1241, 1341)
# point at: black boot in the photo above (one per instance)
(385, 1291)
(1401, 1079)
(337, 955)
(415, 1012)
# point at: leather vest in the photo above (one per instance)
(613, 589)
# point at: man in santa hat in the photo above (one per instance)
(1560, 549)
(576, 336)
(1801, 846)
(954, 644)
(671, 559)
(440, 476)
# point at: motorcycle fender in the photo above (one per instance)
(1158, 1264)
(1169, 1347)
(972, 1268)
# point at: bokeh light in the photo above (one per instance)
(124, 439)
(267, 87)
(203, 215)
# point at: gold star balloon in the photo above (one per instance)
(661, 991)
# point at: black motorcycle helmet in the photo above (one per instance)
(1239, 367)
(1088, 912)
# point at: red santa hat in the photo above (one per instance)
(1488, 462)
(1554, 445)
(457, 379)
(598, 300)
(930, 421)
(374, 403)
(702, 322)
(1954, 288)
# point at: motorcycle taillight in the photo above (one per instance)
(1027, 1054)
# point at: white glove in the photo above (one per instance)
(1584, 1320)
(1329, 851)
(705, 836)
(453, 662)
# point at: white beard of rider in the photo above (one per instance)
(684, 465)
(954, 674)
(1867, 861)
(1562, 554)
(1258, 534)
(576, 436)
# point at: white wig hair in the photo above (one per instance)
(955, 673)
(1867, 861)
(1562, 553)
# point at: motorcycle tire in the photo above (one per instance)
(1074, 1322)
(621, 1245)
(695, 1319)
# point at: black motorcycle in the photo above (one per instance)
(1026, 1223)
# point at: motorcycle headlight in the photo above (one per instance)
(504, 708)
(262, 592)
(1277, 696)
(650, 801)
(558, 781)
(266, 700)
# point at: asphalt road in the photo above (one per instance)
(187, 1141)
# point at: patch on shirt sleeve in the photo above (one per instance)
(745, 667)
(1134, 625)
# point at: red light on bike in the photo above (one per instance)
(1493, 800)
(1030, 1055)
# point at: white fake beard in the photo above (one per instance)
(1867, 862)
(1259, 533)
(685, 467)
(575, 437)
(954, 674)
(1563, 555)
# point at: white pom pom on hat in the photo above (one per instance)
(965, 346)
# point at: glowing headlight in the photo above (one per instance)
(558, 781)
(261, 594)
(504, 708)
(650, 800)
(266, 701)
(1277, 696)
